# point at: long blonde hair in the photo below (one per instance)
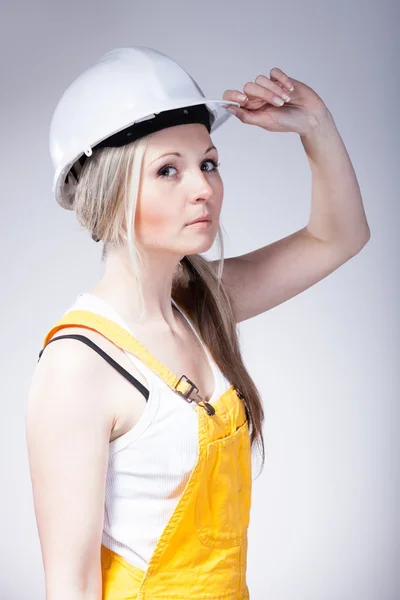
(105, 201)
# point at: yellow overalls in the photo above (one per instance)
(202, 552)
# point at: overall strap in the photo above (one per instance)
(125, 340)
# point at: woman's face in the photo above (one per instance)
(178, 189)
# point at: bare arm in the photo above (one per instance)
(68, 426)
(337, 230)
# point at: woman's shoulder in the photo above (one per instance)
(67, 386)
(76, 357)
(77, 370)
(72, 352)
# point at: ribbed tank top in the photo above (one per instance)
(148, 466)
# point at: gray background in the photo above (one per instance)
(325, 519)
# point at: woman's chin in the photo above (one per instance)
(200, 239)
(204, 246)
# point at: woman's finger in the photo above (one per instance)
(270, 92)
(278, 75)
(265, 82)
(235, 96)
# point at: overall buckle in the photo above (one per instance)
(193, 388)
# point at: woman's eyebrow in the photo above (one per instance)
(180, 155)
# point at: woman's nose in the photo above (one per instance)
(200, 187)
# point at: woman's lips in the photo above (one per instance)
(200, 224)
(205, 217)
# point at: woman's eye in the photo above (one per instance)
(163, 172)
(213, 162)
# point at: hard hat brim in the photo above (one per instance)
(216, 107)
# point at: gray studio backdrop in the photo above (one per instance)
(325, 520)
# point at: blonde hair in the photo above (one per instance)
(105, 203)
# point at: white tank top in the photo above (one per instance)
(148, 466)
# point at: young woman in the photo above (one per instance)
(141, 415)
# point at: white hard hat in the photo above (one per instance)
(124, 87)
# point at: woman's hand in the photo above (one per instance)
(301, 114)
